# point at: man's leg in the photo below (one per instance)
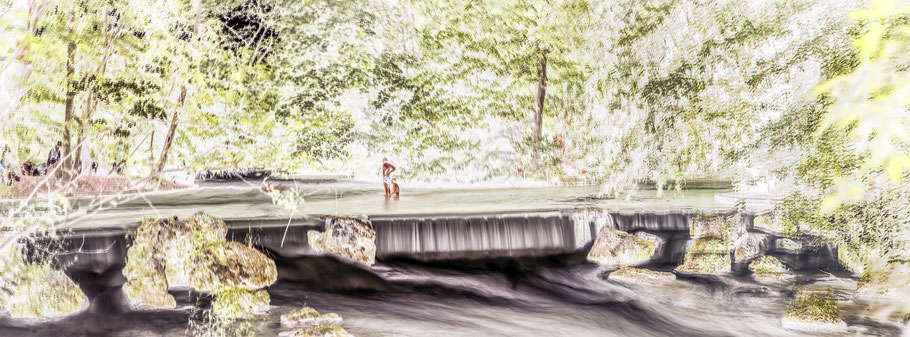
(388, 192)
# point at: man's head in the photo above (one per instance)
(385, 160)
(59, 144)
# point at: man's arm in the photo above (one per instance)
(393, 168)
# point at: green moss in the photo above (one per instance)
(617, 248)
(234, 303)
(814, 308)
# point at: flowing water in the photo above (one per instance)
(504, 273)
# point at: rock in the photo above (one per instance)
(308, 317)
(229, 265)
(748, 247)
(813, 312)
(709, 250)
(616, 248)
(349, 238)
(768, 222)
(768, 267)
(324, 330)
(731, 226)
(166, 253)
(705, 262)
(638, 274)
(41, 292)
(790, 245)
(237, 303)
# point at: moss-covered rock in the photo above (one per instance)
(705, 263)
(350, 238)
(637, 274)
(234, 303)
(791, 245)
(730, 226)
(813, 312)
(324, 330)
(230, 264)
(41, 292)
(748, 247)
(616, 248)
(709, 251)
(308, 317)
(768, 222)
(852, 259)
(768, 267)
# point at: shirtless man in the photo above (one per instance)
(387, 170)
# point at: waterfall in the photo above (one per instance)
(475, 236)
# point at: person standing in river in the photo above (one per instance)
(387, 170)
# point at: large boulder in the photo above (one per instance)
(813, 312)
(350, 238)
(228, 265)
(167, 253)
(615, 248)
(308, 317)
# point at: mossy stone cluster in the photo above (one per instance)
(167, 253)
(323, 330)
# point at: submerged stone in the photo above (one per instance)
(813, 312)
(324, 330)
(237, 303)
(768, 267)
(352, 239)
(308, 317)
(637, 274)
(616, 248)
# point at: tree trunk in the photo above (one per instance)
(68, 110)
(169, 138)
(540, 94)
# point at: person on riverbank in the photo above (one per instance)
(387, 170)
(53, 156)
(396, 191)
